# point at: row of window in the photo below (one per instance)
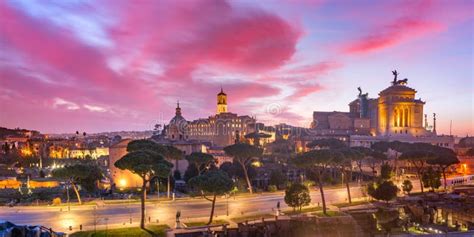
(192, 127)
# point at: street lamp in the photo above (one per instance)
(278, 208)
(106, 225)
(227, 200)
(67, 194)
(157, 188)
(95, 219)
(130, 207)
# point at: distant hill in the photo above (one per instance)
(4, 132)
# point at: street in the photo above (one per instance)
(163, 212)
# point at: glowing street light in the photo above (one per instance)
(122, 183)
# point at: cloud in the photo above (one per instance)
(320, 68)
(303, 90)
(94, 108)
(59, 103)
(392, 34)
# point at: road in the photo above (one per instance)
(120, 214)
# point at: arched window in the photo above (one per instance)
(406, 117)
(395, 118)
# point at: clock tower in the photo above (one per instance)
(221, 102)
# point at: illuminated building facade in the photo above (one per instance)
(121, 178)
(222, 129)
(399, 113)
(396, 115)
(221, 102)
(396, 112)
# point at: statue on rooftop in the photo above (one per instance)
(395, 74)
(398, 82)
(360, 92)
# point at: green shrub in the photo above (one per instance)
(272, 188)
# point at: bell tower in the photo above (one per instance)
(221, 102)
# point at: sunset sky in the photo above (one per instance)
(121, 65)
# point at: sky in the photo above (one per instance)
(115, 65)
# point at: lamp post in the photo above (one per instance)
(278, 208)
(157, 188)
(95, 220)
(130, 207)
(67, 194)
(106, 225)
(227, 200)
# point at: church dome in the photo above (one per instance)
(178, 119)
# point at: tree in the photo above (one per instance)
(348, 155)
(190, 172)
(385, 191)
(444, 159)
(227, 167)
(278, 178)
(244, 154)
(297, 196)
(407, 186)
(386, 172)
(177, 175)
(280, 149)
(330, 143)
(145, 161)
(172, 153)
(79, 174)
(365, 152)
(375, 159)
(201, 161)
(90, 182)
(6, 148)
(431, 179)
(213, 183)
(317, 162)
(168, 152)
(418, 159)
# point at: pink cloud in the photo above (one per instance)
(303, 90)
(317, 69)
(216, 34)
(395, 33)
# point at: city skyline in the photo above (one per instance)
(97, 67)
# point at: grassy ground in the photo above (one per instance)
(204, 223)
(304, 210)
(328, 214)
(241, 219)
(345, 204)
(413, 230)
(152, 230)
